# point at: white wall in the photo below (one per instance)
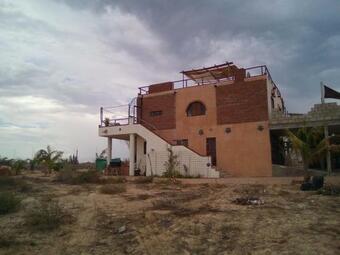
(157, 152)
(140, 156)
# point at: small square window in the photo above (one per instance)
(182, 142)
(156, 113)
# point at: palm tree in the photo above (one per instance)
(50, 158)
(310, 143)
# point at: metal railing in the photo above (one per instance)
(184, 83)
(119, 115)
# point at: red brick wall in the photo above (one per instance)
(164, 103)
(165, 86)
(242, 102)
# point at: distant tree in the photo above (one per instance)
(4, 161)
(310, 144)
(73, 159)
(18, 165)
(50, 158)
(32, 164)
(102, 155)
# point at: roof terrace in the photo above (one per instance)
(209, 75)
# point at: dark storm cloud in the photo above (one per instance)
(61, 60)
(304, 36)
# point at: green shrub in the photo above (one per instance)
(112, 189)
(171, 165)
(46, 215)
(9, 202)
(172, 174)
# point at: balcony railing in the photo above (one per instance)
(119, 115)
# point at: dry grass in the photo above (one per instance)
(115, 179)
(330, 190)
(14, 184)
(7, 239)
(9, 202)
(143, 179)
(47, 215)
(69, 176)
(112, 189)
(174, 219)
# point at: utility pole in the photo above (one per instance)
(325, 129)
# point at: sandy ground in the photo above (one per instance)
(158, 218)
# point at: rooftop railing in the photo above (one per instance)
(254, 71)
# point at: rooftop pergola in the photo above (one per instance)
(212, 73)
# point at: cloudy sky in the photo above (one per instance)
(61, 60)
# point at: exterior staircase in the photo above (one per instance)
(190, 162)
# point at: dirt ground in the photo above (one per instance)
(165, 218)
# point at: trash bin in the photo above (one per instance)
(100, 164)
(115, 162)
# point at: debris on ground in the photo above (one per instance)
(248, 201)
(122, 229)
(312, 183)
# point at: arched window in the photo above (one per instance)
(196, 109)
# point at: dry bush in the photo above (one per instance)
(143, 196)
(66, 176)
(70, 176)
(112, 189)
(138, 197)
(7, 182)
(7, 239)
(115, 179)
(330, 190)
(251, 190)
(168, 181)
(46, 215)
(9, 202)
(164, 204)
(15, 184)
(143, 179)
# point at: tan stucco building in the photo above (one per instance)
(216, 119)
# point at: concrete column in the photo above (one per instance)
(132, 155)
(328, 155)
(109, 150)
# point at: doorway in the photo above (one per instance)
(211, 149)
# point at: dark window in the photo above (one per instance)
(144, 148)
(155, 113)
(182, 142)
(196, 109)
(272, 100)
